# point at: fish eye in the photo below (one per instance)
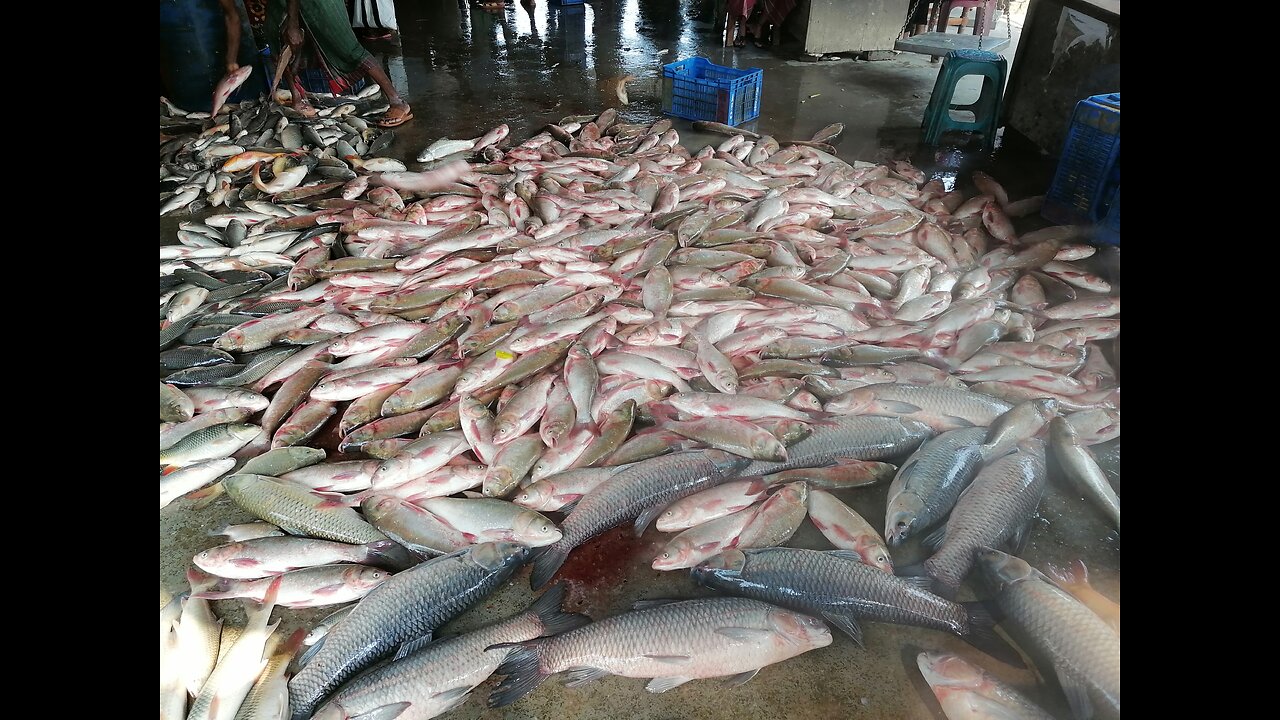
(666, 556)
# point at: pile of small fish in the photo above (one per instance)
(215, 161)
(398, 373)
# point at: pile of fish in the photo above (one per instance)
(216, 161)
(398, 373)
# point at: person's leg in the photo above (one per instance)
(399, 108)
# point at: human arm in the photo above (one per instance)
(293, 26)
(231, 15)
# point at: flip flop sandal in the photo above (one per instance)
(393, 122)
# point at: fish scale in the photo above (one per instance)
(673, 643)
(1001, 501)
(648, 485)
(1081, 646)
(297, 511)
(928, 483)
(411, 605)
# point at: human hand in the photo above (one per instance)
(232, 66)
(293, 36)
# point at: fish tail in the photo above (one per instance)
(982, 635)
(554, 620)
(389, 554)
(546, 563)
(1073, 575)
(523, 670)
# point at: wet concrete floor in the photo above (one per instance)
(466, 70)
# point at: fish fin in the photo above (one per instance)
(741, 678)
(671, 659)
(583, 675)
(569, 506)
(847, 624)
(473, 494)
(390, 554)
(451, 698)
(958, 421)
(665, 683)
(922, 582)
(654, 602)
(386, 712)
(982, 635)
(1018, 540)
(201, 580)
(898, 406)
(554, 620)
(412, 646)
(523, 670)
(647, 517)
(844, 555)
(546, 562)
(208, 495)
(934, 539)
(744, 634)
(906, 571)
(1077, 694)
(301, 661)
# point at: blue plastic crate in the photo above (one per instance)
(696, 89)
(1088, 174)
(1109, 229)
(566, 2)
(314, 80)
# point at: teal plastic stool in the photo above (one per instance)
(986, 111)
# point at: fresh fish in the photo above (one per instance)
(210, 443)
(942, 408)
(281, 461)
(410, 525)
(175, 406)
(1083, 470)
(849, 437)
(410, 606)
(710, 504)
(220, 697)
(777, 519)
(298, 511)
(928, 483)
(735, 436)
(248, 531)
(671, 643)
(997, 507)
(557, 491)
(704, 541)
(198, 631)
(302, 588)
(637, 493)
(266, 556)
(438, 677)
(838, 587)
(1084, 652)
(847, 530)
(227, 85)
(192, 478)
(493, 520)
(967, 692)
(843, 474)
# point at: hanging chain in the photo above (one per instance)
(1008, 22)
(912, 13)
